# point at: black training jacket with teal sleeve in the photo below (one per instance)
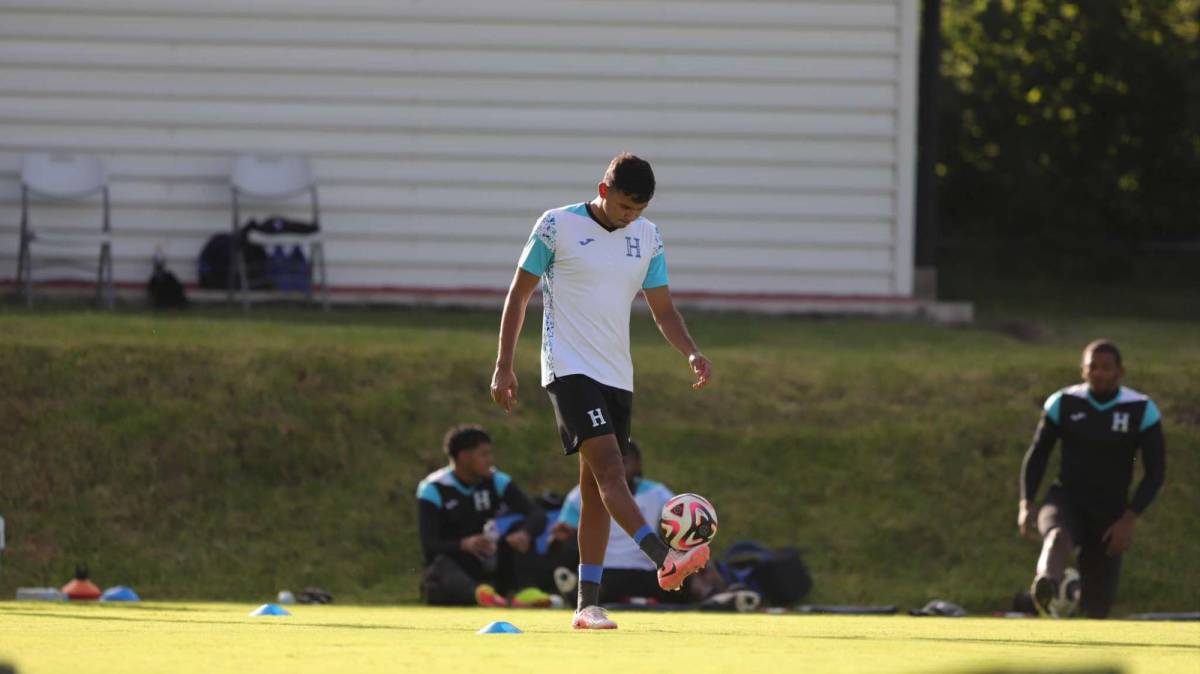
(1100, 445)
(449, 511)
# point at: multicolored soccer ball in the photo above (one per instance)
(687, 521)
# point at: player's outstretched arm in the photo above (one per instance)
(670, 324)
(504, 379)
(1033, 468)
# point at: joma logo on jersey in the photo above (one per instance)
(1120, 422)
(633, 247)
(483, 501)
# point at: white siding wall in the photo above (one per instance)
(781, 132)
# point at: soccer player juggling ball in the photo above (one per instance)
(592, 259)
(1102, 426)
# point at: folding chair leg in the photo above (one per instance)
(310, 268)
(105, 284)
(324, 280)
(230, 274)
(242, 276)
(100, 278)
(21, 265)
(27, 282)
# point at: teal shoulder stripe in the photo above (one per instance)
(1151, 416)
(501, 480)
(427, 492)
(578, 209)
(1052, 406)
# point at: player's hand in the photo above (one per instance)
(561, 531)
(1119, 536)
(519, 540)
(1027, 517)
(478, 545)
(504, 388)
(702, 368)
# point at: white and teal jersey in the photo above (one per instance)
(590, 277)
(622, 552)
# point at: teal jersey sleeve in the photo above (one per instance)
(656, 274)
(539, 250)
(1051, 406)
(427, 492)
(1151, 416)
(536, 257)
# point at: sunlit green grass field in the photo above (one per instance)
(38, 638)
(217, 456)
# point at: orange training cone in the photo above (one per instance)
(81, 587)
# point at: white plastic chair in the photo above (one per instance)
(275, 178)
(64, 177)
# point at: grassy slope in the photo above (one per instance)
(210, 456)
(204, 638)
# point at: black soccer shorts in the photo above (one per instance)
(585, 408)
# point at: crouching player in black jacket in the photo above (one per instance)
(1102, 426)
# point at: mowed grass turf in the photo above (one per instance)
(216, 456)
(182, 638)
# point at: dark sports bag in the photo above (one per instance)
(165, 291)
(779, 575)
(216, 258)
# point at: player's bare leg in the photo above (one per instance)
(1051, 565)
(594, 524)
(603, 457)
(594, 520)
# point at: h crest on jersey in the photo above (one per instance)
(633, 247)
(1120, 422)
(483, 501)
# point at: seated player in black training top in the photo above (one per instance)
(1102, 426)
(464, 564)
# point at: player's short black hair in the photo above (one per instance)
(466, 436)
(632, 175)
(1102, 346)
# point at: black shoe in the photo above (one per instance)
(1043, 591)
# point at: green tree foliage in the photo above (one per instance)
(1070, 131)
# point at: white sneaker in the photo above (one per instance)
(1069, 592)
(593, 618)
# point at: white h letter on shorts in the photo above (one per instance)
(597, 417)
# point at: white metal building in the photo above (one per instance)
(782, 132)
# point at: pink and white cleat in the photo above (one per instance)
(680, 565)
(593, 618)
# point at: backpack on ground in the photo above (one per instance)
(165, 291)
(779, 575)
